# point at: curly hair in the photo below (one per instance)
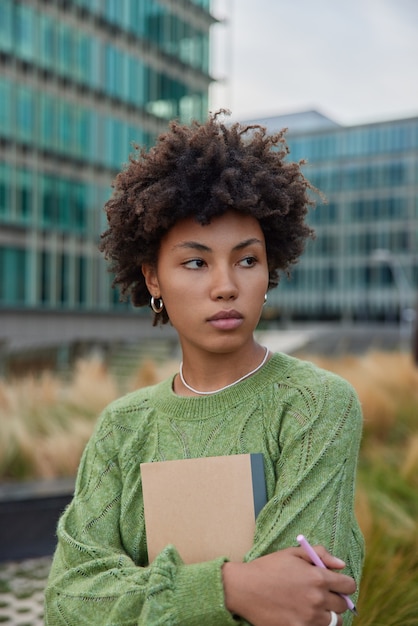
(204, 170)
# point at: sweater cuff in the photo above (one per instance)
(204, 583)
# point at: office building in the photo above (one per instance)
(80, 82)
(363, 264)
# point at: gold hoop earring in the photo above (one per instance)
(156, 304)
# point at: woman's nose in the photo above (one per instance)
(224, 287)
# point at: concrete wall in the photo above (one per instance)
(23, 330)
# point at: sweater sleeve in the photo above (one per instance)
(314, 477)
(93, 580)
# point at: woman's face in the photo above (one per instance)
(212, 280)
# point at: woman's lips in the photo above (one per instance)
(226, 320)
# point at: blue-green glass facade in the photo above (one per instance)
(363, 263)
(80, 82)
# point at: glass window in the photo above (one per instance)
(47, 41)
(24, 198)
(119, 144)
(5, 107)
(49, 201)
(297, 148)
(164, 95)
(114, 71)
(83, 58)
(355, 142)
(81, 277)
(94, 6)
(108, 135)
(93, 210)
(65, 49)
(96, 78)
(3, 276)
(136, 81)
(21, 275)
(399, 241)
(397, 208)
(373, 139)
(4, 189)
(98, 138)
(111, 10)
(111, 70)
(64, 278)
(154, 22)
(383, 240)
(25, 113)
(13, 275)
(45, 277)
(78, 193)
(396, 173)
(398, 139)
(91, 122)
(25, 27)
(331, 276)
(6, 26)
(324, 213)
(184, 44)
(64, 190)
(48, 117)
(189, 108)
(65, 126)
(81, 133)
(121, 77)
(204, 52)
(204, 4)
(136, 136)
(115, 11)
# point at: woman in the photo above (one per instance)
(199, 227)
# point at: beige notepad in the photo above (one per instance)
(206, 507)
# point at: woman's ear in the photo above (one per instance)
(151, 280)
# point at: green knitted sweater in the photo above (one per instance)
(307, 424)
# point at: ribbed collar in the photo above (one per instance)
(163, 398)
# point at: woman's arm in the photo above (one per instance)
(95, 580)
(313, 495)
(285, 584)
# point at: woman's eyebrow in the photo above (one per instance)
(195, 245)
(248, 242)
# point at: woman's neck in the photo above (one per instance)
(205, 376)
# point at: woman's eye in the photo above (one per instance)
(194, 264)
(249, 261)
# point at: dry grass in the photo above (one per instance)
(387, 493)
(45, 423)
(387, 385)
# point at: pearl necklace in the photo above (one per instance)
(208, 393)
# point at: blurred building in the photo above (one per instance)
(80, 81)
(363, 264)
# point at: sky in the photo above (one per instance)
(355, 61)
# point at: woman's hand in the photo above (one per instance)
(285, 589)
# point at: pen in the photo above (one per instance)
(303, 542)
